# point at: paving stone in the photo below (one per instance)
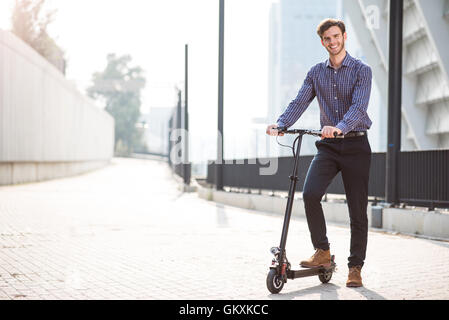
(126, 232)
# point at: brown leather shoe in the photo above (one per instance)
(354, 277)
(321, 258)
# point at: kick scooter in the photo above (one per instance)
(280, 269)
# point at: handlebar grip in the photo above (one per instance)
(337, 134)
(281, 129)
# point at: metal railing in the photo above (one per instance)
(423, 177)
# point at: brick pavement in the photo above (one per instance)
(126, 232)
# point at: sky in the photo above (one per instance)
(154, 33)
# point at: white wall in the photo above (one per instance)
(43, 118)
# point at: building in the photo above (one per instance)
(294, 48)
(425, 81)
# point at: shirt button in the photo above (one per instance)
(335, 72)
(335, 98)
(335, 85)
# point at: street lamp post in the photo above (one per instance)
(394, 102)
(220, 149)
(186, 165)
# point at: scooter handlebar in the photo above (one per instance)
(303, 131)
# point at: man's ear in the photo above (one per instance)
(345, 36)
(322, 42)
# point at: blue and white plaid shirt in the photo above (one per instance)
(343, 96)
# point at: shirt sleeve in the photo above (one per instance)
(360, 100)
(297, 106)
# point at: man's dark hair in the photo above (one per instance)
(327, 23)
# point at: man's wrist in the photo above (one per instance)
(344, 129)
(281, 125)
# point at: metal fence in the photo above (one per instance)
(423, 176)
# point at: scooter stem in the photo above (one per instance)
(290, 199)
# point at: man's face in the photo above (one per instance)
(333, 40)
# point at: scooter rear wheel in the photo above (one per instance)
(275, 283)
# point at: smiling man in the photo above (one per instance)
(342, 86)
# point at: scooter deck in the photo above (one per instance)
(308, 272)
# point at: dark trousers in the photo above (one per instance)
(351, 156)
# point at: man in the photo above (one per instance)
(342, 86)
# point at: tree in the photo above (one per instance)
(119, 86)
(30, 24)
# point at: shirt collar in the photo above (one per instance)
(346, 61)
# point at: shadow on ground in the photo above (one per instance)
(326, 291)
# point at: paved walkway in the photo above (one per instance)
(126, 232)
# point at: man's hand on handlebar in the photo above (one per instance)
(272, 131)
(328, 132)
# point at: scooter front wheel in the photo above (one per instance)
(325, 277)
(275, 283)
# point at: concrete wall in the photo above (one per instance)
(416, 222)
(47, 128)
(406, 221)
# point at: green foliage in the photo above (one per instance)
(30, 24)
(119, 86)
